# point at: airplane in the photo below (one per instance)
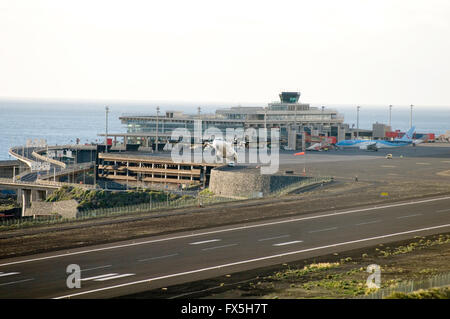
(223, 149)
(322, 146)
(375, 145)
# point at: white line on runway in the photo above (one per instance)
(8, 274)
(252, 260)
(288, 243)
(204, 242)
(159, 257)
(114, 277)
(388, 166)
(445, 161)
(407, 216)
(100, 267)
(16, 282)
(443, 210)
(321, 230)
(371, 222)
(216, 247)
(271, 238)
(226, 230)
(423, 163)
(99, 276)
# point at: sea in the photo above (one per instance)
(63, 122)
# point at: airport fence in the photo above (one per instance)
(150, 207)
(407, 287)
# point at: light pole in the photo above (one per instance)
(265, 118)
(390, 115)
(106, 129)
(410, 118)
(157, 128)
(295, 119)
(323, 119)
(357, 121)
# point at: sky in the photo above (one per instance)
(377, 52)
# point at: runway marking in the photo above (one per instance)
(16, 282)
(321, 230)
(371, 222)
(159, 257)
(420, 163)
(204, 242)
(252, 260)
(443, 210)
(8, 274)
(393, 174)
(445, 161)
(388, 166)
(226, 230)
(114, 277)
(216, 247)
(289, 243)
(100, 267)
(99, 276)
(271, 238)
(407, 216)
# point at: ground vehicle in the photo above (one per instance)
(389, 156)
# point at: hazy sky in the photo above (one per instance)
(349, 52)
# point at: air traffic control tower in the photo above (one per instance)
(289, 97)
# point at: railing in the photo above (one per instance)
(19, 176)
(15, 182)
(437, 281)
(43, 183)
(61, 184)
(22, 158)
(48, 159)
(68, 170)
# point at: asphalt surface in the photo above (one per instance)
(129, 267)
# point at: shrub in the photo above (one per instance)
(92, 199)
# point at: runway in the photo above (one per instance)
(129, 267)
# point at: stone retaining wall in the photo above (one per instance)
(248, 182)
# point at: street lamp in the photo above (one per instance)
(390, 115)
(106, 129)
(157, 128)
(357, 121)
(410, 118)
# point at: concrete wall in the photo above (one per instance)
(66, 208)
(247, 182)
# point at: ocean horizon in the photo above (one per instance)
(62, 122)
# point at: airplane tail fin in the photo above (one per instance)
(408, 135)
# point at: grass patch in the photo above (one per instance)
(94, 199)
(420, 243)
(434, 293)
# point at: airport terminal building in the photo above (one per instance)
(290, 116)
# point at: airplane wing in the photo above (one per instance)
(315, 147)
